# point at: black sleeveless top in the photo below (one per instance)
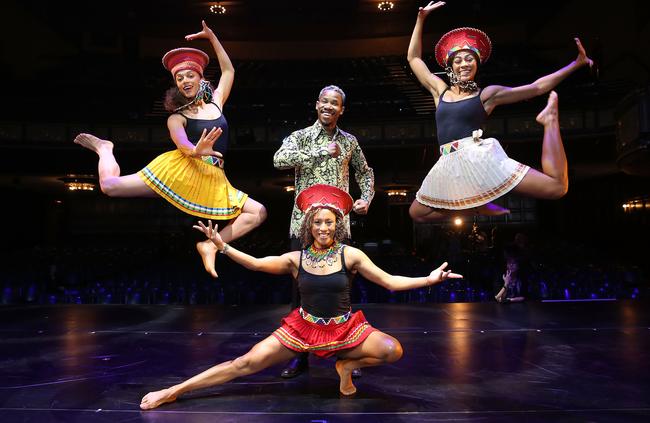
(195, 127)
(456, 120)
(325, 295)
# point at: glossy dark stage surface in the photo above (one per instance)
(534, 362)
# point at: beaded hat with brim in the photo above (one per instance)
(185, 58)
(465, 38)
(327, 196)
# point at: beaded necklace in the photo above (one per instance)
(204, 93)
(320, 257)
(454, 79)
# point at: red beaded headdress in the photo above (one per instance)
(328, 196)
(185, 58)
(463, 39)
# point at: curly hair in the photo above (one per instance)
(175, 99)
(306, 238)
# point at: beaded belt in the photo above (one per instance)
(214, 161)
(323, 320)
(450, 147)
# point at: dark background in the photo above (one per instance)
(74, 67)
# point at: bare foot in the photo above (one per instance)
(155, 399)
(208, 252)
(346, 386)
(491, 209)
(549, 115)
(93, 143)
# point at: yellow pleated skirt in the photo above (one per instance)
(193, 186)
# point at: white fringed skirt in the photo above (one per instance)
(471, 172)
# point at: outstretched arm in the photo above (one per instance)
(360, 262)
(428, 80)
(227, 69)
(277, 265)
(495, 95)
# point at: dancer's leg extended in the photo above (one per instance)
(264, 354)
(553, 183)
(110, 181)
(252, 215)
(425, 214)
(379, 348)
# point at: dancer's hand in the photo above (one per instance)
(507, 278)
(440, 274)
(206, 143)
(360, 206)
(206, 33)
(582, 58)
(211, 233)
(333, 150)
(424, 11)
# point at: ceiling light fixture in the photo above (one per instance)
(386, 6)
(218, 9)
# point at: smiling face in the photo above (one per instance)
(465, 65)
(187, 82)
(329, 107)
(323, 228)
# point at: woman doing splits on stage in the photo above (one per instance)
(324, 324)
(472, 171)
(191, 177)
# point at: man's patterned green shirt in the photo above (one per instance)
(305, 150)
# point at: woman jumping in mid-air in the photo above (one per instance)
(472, 171)
(192, 176)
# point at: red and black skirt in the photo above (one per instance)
(300, 334)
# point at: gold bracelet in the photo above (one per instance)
(225, 248)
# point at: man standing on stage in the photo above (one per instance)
(322, 154)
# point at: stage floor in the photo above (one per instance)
(533, 362)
